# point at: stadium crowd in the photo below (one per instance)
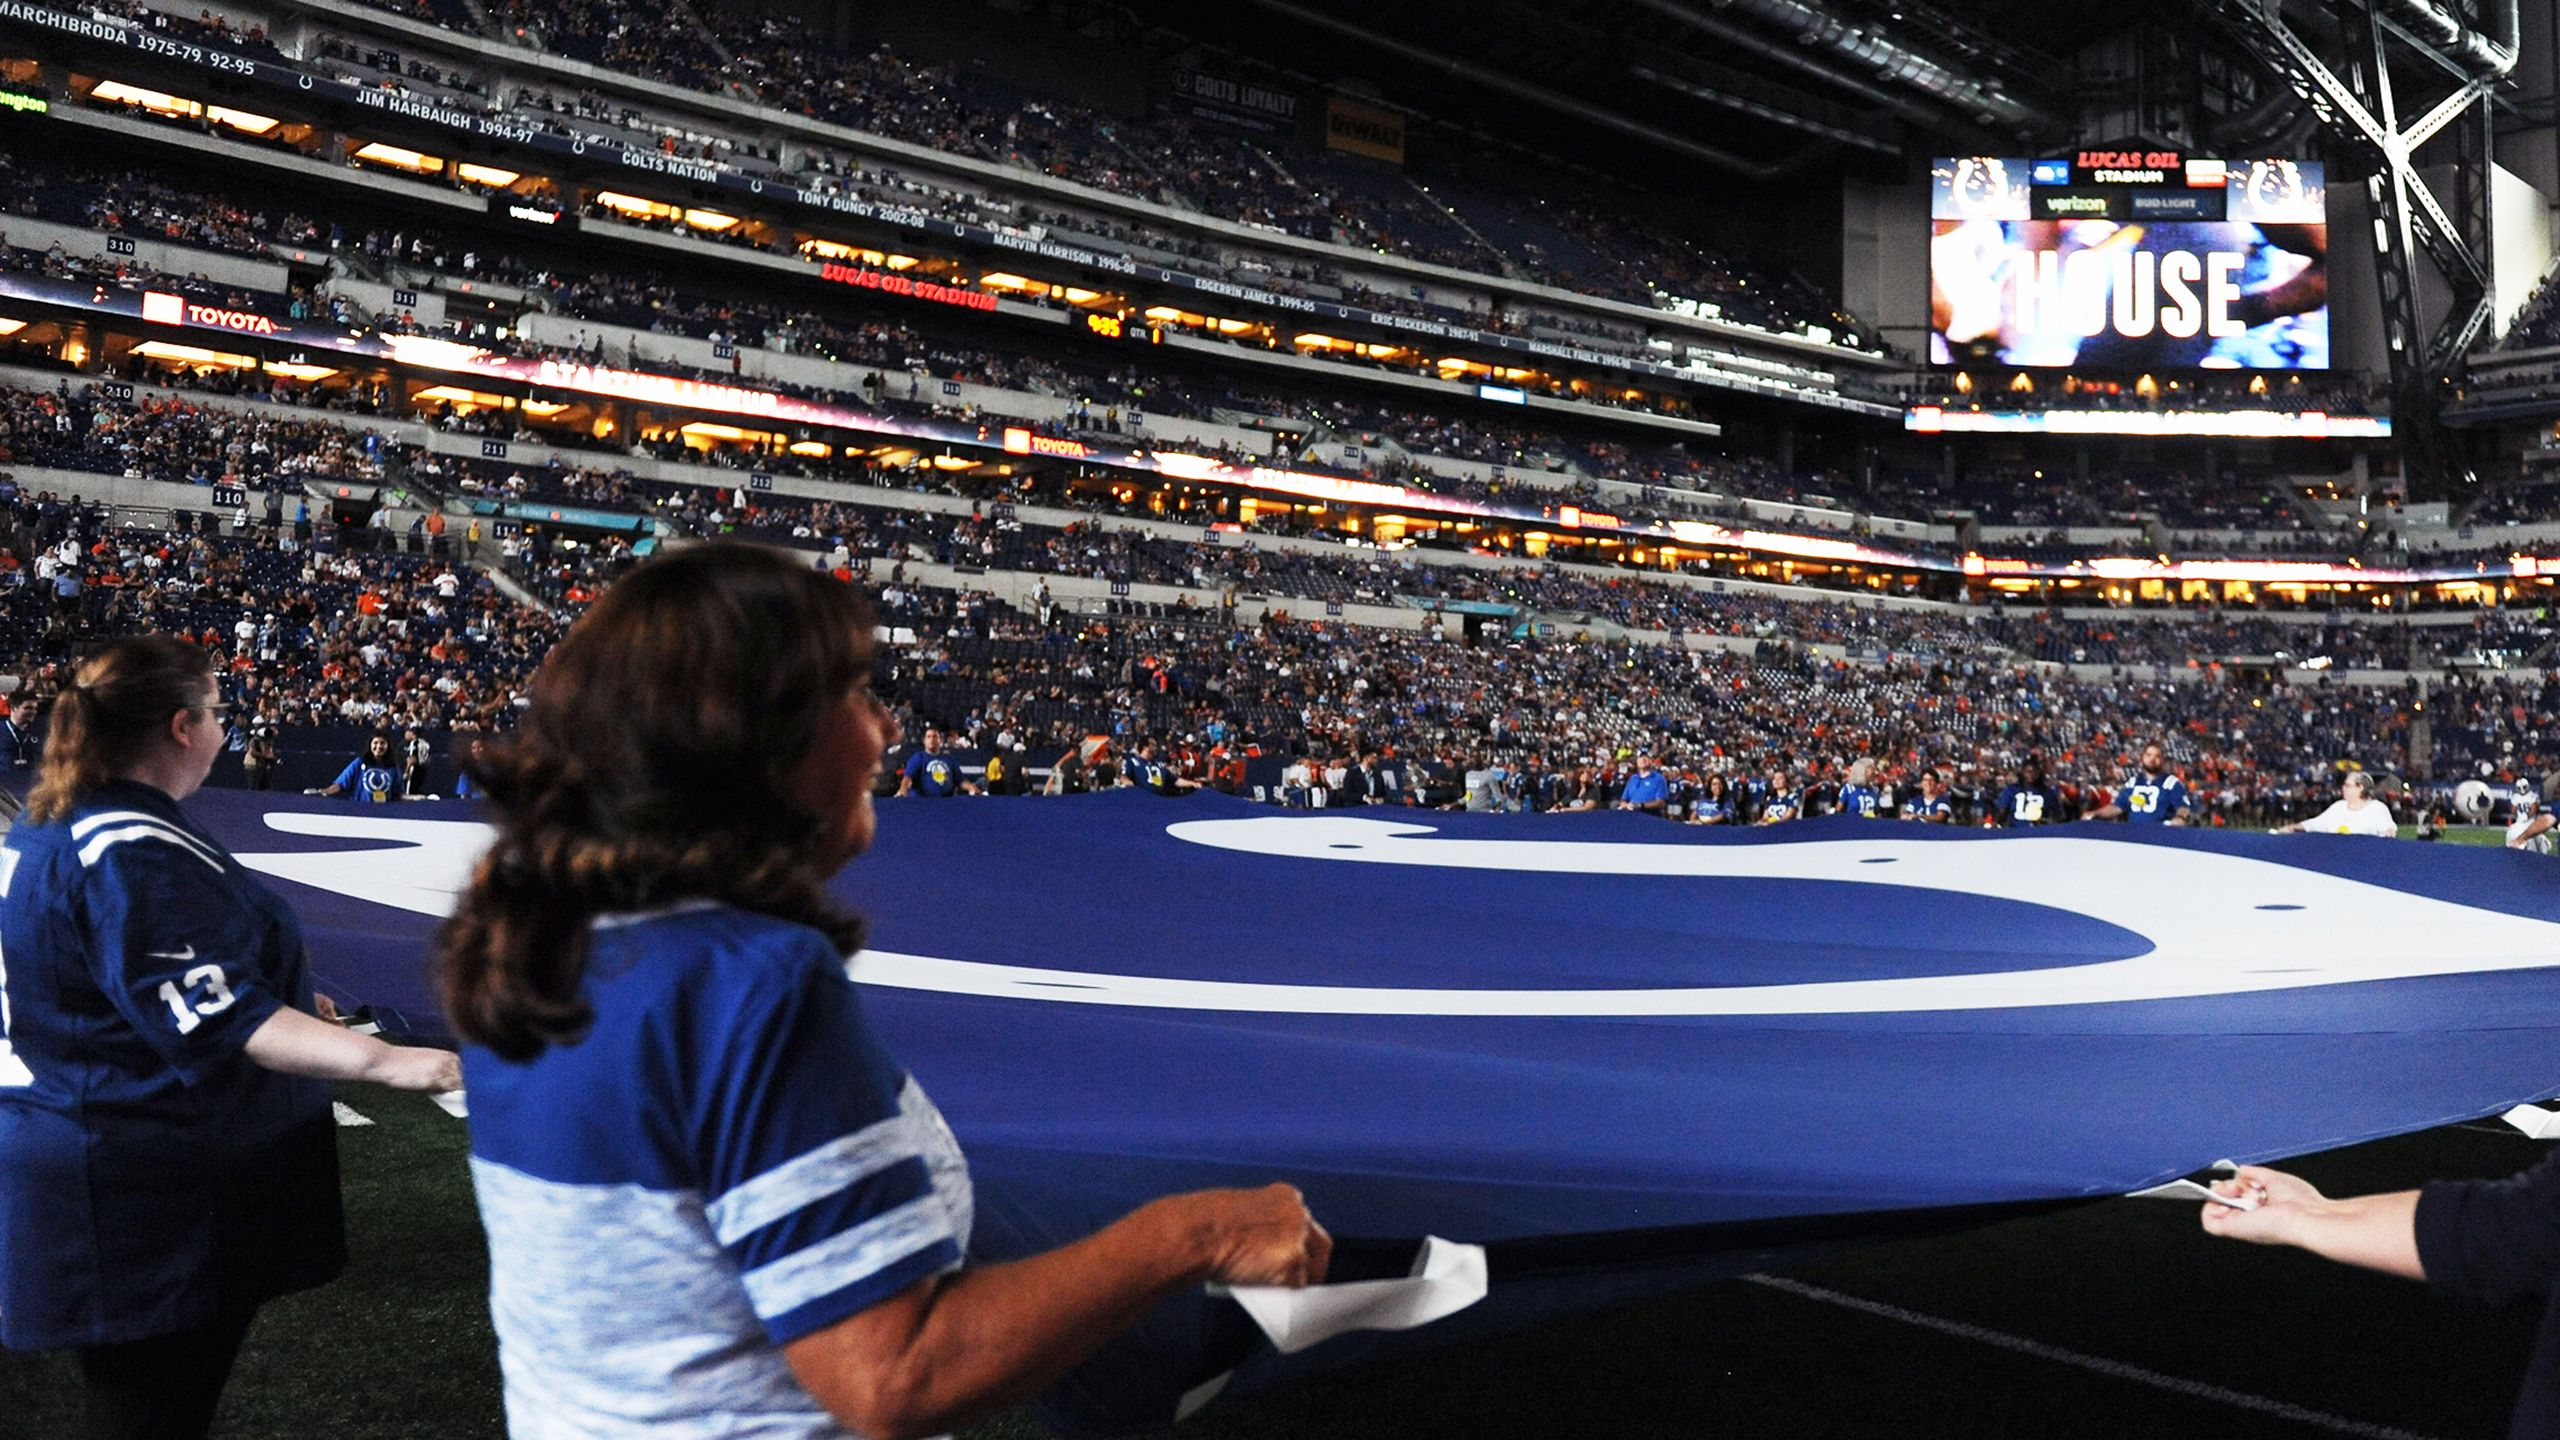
(320, 627)
(2204, 514)
(1574, 236)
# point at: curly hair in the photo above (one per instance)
(654, 766)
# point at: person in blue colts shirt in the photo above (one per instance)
(374, 777)
(1858, 795)
(2026, 800)
(168, 1160)
(930, 772)
(2152, 795)
(1149, 770)
(716, 1202)
(1714, 804)
(1780, 801)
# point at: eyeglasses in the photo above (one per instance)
(215, 707)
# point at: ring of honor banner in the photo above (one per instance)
(1622, 1054)
(2129, 261)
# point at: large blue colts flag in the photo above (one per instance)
(1624, 1052)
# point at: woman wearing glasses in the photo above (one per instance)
(168, 1160)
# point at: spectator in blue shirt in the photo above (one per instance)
(1648, 789)
(715, 1201)
(1149, 770)
(930, 772)
(1780, 800)
(2152, 795)
(2027, 800)
(1858, 795)
(1714, 804)
(375, 777)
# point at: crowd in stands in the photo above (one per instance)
(1745, 701)
(178, 440)
(305, 634)
(449, 14)
(1548, 724)
(2537, 323)
(403, 636)
(2255, 518)
(204, 27)
(131, 203)
(1591, 242)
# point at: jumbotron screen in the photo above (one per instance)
(2129, 261)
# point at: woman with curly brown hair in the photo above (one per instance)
(715, 1203)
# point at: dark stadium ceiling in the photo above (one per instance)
(1754, 88)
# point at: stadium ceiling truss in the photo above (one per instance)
(2378, 62)
(1809, 78)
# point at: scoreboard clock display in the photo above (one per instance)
(1122, 327)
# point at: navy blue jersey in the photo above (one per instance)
(933, 774)
(2146, 800)
(727, 1160)
(1932, 808)
(1858, 800)
(2023, 805)
(151, 1175)
(372, 783)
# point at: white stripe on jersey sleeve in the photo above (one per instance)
(848, 1258)
(146, 829)
(812, 1176)
(80, 829)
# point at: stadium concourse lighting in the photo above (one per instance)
(400, 157)
(192, 355)
(160, 102)
(430, 351)
(456, 395)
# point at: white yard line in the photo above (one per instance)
(2116, 1369)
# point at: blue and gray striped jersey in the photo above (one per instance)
(727, 1161)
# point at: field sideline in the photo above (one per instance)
(2117, 1318)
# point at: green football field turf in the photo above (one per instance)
(2111, 1319)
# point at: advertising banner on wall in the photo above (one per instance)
(1231, 100)
(1358, 128)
